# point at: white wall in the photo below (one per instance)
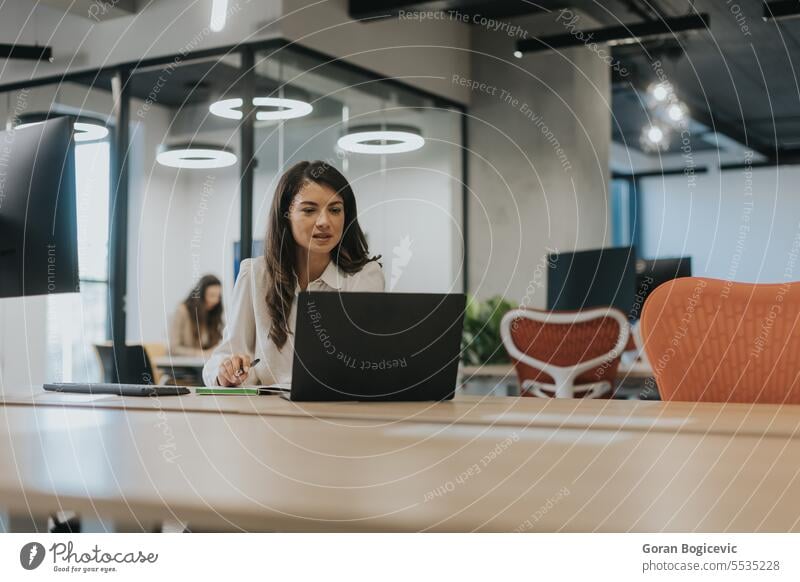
(527, 197)
(23, 328)
(181, 224)
(742, 225)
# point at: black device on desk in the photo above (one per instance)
(376, 346)
(118, 389)
(592, 278)
(650, 273)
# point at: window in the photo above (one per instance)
(623, 201)
(75, 322)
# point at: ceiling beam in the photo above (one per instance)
(657, 173)
(781, 9)
(375, 9)
(616, 35)
(26, 52)
(779, 158)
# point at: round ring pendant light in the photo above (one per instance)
(282, 108)
(381, 139)
(86, 132)
(195, 156)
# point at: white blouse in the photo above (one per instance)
(248, 321)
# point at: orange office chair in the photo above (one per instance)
(565, 354)
(719, 341)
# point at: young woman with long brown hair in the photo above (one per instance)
(313, 242)
(197, 325)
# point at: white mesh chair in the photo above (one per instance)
(561, 354)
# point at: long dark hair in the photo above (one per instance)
(280, 252)
(204, 319)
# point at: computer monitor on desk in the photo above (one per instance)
(38, 216)
(592, 278)
(650, 273)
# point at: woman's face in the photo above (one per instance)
(213, 296)
(316, 216)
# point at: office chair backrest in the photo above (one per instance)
(565, 353)
(138, 369)
(719, 341)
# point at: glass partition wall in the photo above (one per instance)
(197, 170)
(184, 184)
(408, 189)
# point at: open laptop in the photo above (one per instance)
(376, 346)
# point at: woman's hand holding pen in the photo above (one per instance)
(234, 370)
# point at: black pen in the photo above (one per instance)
(253, 363)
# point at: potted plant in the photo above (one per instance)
(480, 342)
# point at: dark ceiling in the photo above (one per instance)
(737, 77)
(201, 82)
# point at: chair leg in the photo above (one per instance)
(64, 522)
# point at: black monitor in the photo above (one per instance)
(650, 273)
(593, 278)
(38, 214)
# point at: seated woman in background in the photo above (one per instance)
(313, 242)
(197, 325)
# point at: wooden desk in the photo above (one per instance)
(670, 417)
(245, 472)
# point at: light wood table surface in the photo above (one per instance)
(288, 473)
(668, 417)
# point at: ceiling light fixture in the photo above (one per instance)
(86, 132)
(219, 13)
(283, 108)
(676, 112)
(381, 139)
(780, 10)
(655, 134)
(195, 156)
(660, 91)
(655, 138)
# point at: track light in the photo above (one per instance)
(654, 138)
(660, 91)
(676, 112)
